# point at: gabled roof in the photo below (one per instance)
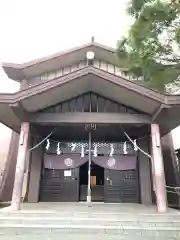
(163, 108)
(111, 78)
(61, 59)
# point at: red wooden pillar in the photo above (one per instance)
(159, 176)
(20, 166)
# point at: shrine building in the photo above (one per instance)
(84, 131)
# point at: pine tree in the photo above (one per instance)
(151, 51)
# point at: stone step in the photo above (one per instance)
(94, 216)
(26, 226)
(88, 224)
(77, 221)
(39, 232)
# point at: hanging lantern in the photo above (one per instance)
(73, 147)
(47, 144)
(112, 150)
(58, 149)
(125, 148)
(95, 151)
(82, 151)
(135, 145)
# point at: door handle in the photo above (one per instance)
(109, 180)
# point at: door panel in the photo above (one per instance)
(56, 187)
(121, 186)
(112, 191)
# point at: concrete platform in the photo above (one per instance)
(96, 207)
(82, 221)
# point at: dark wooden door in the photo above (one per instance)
(60, 185)
(121, 186)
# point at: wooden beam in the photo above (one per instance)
(19, 111)
(158, 111)
(85, 117)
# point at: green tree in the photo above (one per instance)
(151, 51)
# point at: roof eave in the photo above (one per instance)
(13, 71)
(149, 93)
(18, 71)
(163, 101)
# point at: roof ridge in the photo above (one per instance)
(55, 55)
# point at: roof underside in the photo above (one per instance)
(85, 83)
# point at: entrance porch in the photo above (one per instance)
(126, 180)
(90, 148)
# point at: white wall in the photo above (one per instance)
(5, 137)
(6, 86)
(176, 137)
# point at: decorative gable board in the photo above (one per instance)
(90, 102)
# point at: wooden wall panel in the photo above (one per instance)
(90, 102)
(47, 76)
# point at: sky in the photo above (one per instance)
(31, 29)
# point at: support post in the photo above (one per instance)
(160, 186)
(89, 172)
(20, 166)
